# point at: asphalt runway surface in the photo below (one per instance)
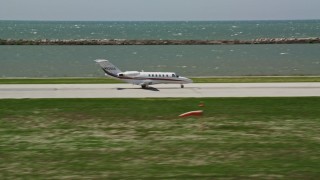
(19, 91)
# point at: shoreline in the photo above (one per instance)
(309, 40)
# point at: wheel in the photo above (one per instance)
(182, 86)
(143, 86)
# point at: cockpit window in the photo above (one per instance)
(173, 75)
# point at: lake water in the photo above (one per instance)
(208, 60)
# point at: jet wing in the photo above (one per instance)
(146, 82)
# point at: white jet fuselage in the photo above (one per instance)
(149, 78)
(144, 79)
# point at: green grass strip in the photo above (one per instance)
(244, 79)
(236, 138)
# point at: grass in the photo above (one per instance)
(244, 79)
(236, 138)
(58, 81)
(257, 79)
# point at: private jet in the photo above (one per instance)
(144, 79)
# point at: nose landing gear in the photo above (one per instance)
(182, 86)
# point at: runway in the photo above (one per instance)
(196, 90)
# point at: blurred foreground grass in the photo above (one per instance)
(237, 138)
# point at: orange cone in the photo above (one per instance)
(192, 113)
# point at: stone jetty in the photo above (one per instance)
(310, 40)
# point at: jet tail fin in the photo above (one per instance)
(108, 67)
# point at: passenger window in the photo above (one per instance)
(152, 75)
(167, 75)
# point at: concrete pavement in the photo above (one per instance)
(131, 91)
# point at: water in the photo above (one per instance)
(158, 30)
(228, 60)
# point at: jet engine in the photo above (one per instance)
(129, 74)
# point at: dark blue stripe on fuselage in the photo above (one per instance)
(122, 77)
(157, 79)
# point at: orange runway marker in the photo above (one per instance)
(192, 113)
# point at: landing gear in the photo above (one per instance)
(144, 86)
(182, 86)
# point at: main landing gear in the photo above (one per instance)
(144, 86)
(182, 86)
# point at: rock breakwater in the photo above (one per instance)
(157, 42)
